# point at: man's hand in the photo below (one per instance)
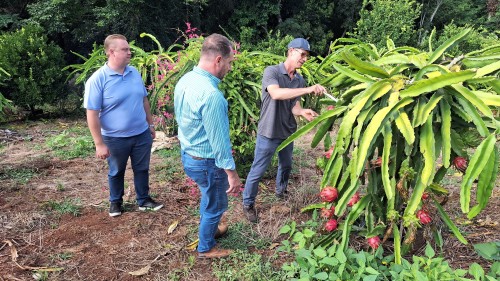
(153, 132)
(102, 151)
(309, 114)
(234, 181)
(316, 89)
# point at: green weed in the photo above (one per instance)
(243, 265)
(67, 206)
(241, 236)
(61, 256)
(71, 144)
(21, 175)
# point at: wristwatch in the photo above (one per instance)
(151, 125)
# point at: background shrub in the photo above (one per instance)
(34, 65)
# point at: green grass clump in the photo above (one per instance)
(67, 206)
(71, 144)
(243, 265)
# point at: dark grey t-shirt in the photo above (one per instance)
(276, 118)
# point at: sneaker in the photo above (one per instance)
(150, 205)
(250, 213)
(115, 209)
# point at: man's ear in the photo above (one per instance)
(218, 59)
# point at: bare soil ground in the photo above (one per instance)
(37, 242)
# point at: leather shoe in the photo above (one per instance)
(215, 253)
(221, 231)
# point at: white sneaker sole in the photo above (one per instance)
(115, 214)
(150, 209)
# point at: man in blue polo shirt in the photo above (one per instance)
(120, 121)
(201, 113)
(282, 87)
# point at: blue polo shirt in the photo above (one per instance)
(201, 114)
(119, 98)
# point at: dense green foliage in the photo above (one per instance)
(34, 66)
(388, 18)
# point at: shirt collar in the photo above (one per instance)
(110, 71)
(284, 72)
(207, 74)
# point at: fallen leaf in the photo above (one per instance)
(141, 271)
(192, 246)
(273, 245)
(13, 251)
(172, 227)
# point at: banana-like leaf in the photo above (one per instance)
(390, 44)
(244, 105)
(321, 132)
(427, 109)
(333, 176)
(351, 116)
(472, 112)
(426, 176)
(472, 98)
(371, 133)
(450, 223)
(393, 59)
(354, 214)
(484, 50)
(404, 126)
(386, 181)
(476, 166)
(485, 70)
(397, 245)
(447, 44)
(309, 126)
(430, 68)
(361, 122)
(431, 36)
(445, 110)
(485, 184)
(313, 207)
(488, 98)
(363, 66)
(432, 84)
(351, 73)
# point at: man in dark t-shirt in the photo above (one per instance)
(282, 87)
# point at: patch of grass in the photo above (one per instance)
(61, 256)
(184, 272)
(21, 175)
(60, 187)
(173, 153)
(241, 236)
(171, 169)
(71, 144)
(243, 265)
(67, 206)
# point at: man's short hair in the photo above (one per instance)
(215, 45)
(109, 40)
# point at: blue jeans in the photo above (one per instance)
(138, 148)
(264, 151)
(213, 183)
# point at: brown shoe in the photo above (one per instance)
(221, 230)
(250, 213)
(215, 253)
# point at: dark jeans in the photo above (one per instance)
(264, 151)
(138, 148)
(213, 183)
